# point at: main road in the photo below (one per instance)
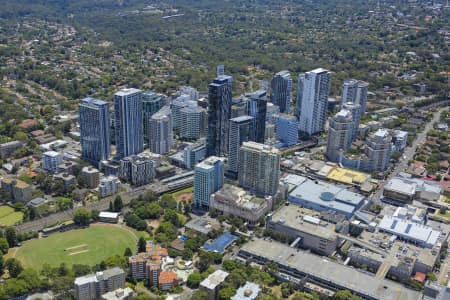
(409, 153)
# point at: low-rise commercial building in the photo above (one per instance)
(408, 230)
(119, 294)
(91, 287)
(323, 196)
(404, 189)
(212, 283)
(203, 225)
(311, 232)
(250, 291)
(325, 272)
(235, 201)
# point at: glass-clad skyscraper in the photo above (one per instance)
(94, 130)
(128, 122)
(219, 114)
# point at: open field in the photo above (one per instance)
(183, 191)
(8, 216)
(184, 195)
(82, 246)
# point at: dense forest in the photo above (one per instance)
(360, 39)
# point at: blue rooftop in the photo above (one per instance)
(221, 243)
(321, 195)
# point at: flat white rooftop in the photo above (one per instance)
(127, 92)
(409, 230)
(107, 214)
(51, 153)
(214, 279)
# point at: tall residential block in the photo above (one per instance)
(355, 110)
(259, 168)
(355, 91)
(193, 122)
(208, 178)
(339, 134)
(281, 90)
(287, 129)
(190, 91)
(177, 105)
(95, 137)
(312, 100)
(151, 103)
(257, 108)
(128, 122)
(272, 112)
(219, 114)
(241, 130)
(161, 131)
(379, 149)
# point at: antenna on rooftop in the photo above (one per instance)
(220, 70)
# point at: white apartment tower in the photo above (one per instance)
(208, 178)
(312, 100)
(339, 134)
(161, 131)
(379, 149)
(259, 168)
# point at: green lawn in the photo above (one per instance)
(5, 210)
(184, 191)
(446, 215)
(82, 246)
(8, 216)
(12, 219)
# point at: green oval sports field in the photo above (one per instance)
(87, 246)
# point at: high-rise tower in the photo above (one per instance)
(312, 100)
(94, 130)
(128, 122)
